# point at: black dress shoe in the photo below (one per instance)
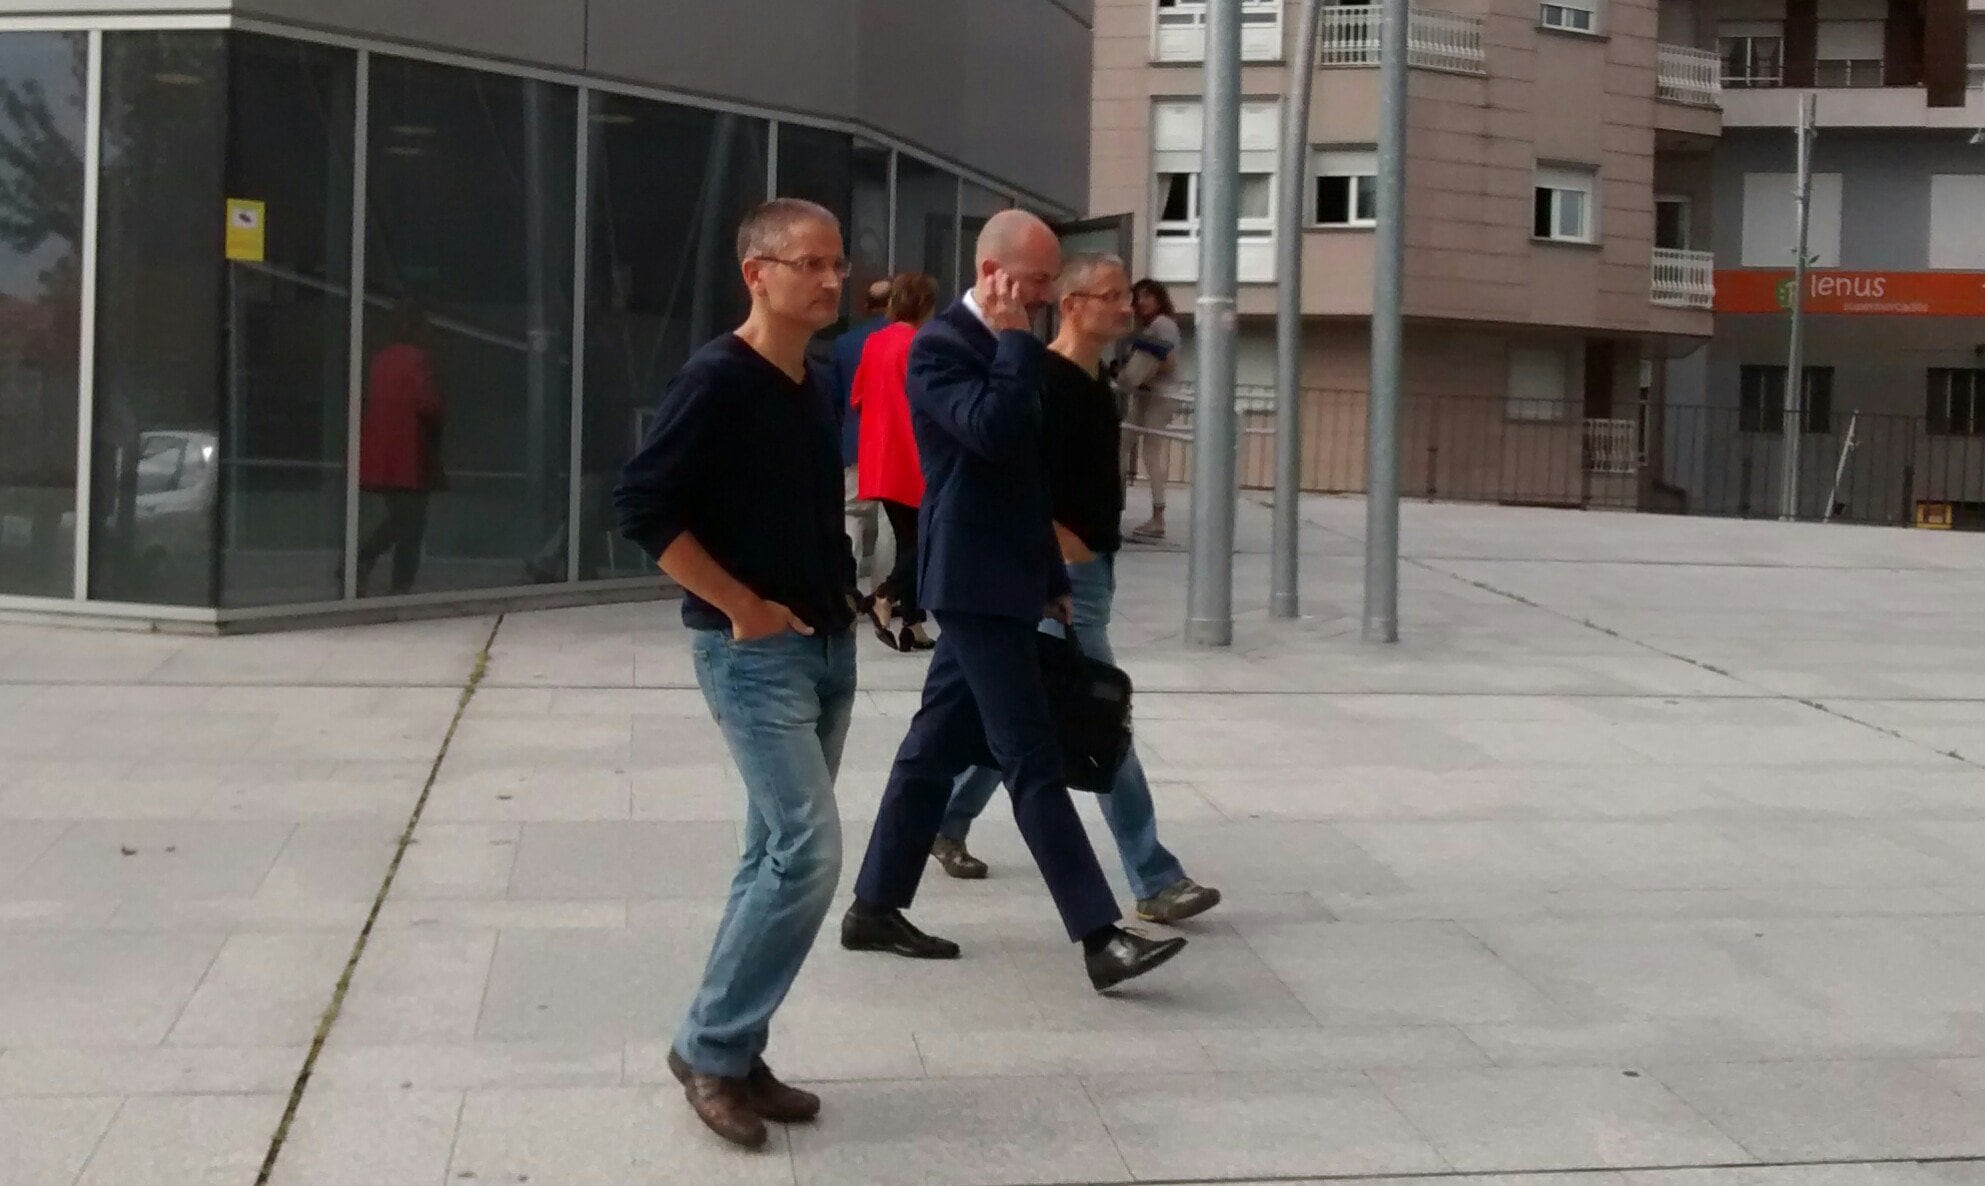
(891, 932)
(1127, 956)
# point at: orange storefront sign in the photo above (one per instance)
(1893, 294)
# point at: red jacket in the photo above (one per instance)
(399, 436)
(887, 464)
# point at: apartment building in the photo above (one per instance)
(1559, 199)
(1894, 364)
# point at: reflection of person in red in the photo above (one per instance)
(889, 471)
(399, 446)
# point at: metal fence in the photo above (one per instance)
(1862, 467)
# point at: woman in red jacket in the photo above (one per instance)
(399, 447)
(888, 471)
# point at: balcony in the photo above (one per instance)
(1180, 35)
(1612, 447)
(1444, 41)
(1683, 279)
(1691, 76)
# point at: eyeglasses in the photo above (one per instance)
(1115, 296)
(811, 265)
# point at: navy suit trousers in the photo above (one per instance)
(985, 704)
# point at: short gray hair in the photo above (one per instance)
(769, 226)
(1082, 267)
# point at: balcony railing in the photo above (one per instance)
(1684, 279)
(1689, 75)
(1435, 40)
(1612, 446)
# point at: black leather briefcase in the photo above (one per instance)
(1090, 700)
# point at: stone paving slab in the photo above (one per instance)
(1657, 843)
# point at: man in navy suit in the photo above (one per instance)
(989, 568)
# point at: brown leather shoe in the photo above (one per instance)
(723, 1105)
(778, 1102)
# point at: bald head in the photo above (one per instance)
(1025, 248)
(1010, 232)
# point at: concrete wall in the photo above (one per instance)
(1001, 86)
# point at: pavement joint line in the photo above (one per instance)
(1703, 665)
(1453, 1175)
(331, 1012)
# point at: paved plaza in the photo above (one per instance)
(1656, 852)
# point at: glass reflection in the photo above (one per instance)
(465, 416)
(668, 187)
(288, 323)
(155, 472)
(927, 222)
(42, 80)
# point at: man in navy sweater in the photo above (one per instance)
(989, 567)
(737, 495)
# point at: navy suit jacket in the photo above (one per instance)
(847, 359)
(986, 538)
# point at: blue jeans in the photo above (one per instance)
(783, 704)
(1147, 864)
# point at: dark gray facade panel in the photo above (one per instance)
(1003, 87)
(1885, 190)
(540, 32)
(775, 53)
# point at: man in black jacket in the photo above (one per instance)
(737, 495)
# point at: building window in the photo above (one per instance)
(1344, 188)
(1177, 201)
(41, 170)
(1542, 380)
(1180, 35)
(155, 519)
(1178, 206)
(1771, 225)
(1577, 16)
(1850, 54)
(1761, 390)
(1671, 224)
(468, 275)
(1564, 206)
(1957, 233)
(1752, 58)
(1957, 402)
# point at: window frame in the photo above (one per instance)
(1332, 163)
(1561, 410)
(1947, 422)
(1761, 400)
(1550, 179)
(1750, 79)
(1687, 205)
(1591, 9)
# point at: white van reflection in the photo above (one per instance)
(178, 479)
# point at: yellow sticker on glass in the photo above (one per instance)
(247, 230)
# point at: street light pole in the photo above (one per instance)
(1795, 363)
(1210, 583)
(1388, 336)
(1284, 598)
